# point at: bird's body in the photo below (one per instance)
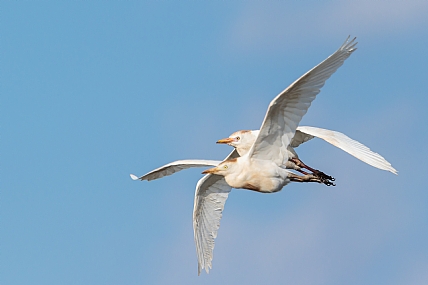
(258, 175)
(243, 140)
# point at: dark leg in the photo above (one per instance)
(309, 178)
(302, 171)
(316, 172)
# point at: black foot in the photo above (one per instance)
(327, 182)
(322, 175)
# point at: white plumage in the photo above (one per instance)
(351, 146)
(243, 140)
(263, 164)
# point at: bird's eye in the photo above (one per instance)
(238, 138)
(225, 167)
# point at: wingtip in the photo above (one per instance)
(202, 267)
(350, 44)
(391, 169)
(133, 177)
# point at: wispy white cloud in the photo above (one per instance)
(275, 25)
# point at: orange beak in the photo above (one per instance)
(227, 140)
(210, 171)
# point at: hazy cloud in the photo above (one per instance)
(273, 25)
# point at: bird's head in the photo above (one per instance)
(241, 140)
(223, 168)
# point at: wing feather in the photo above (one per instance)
(287, 109)
(351, 146)
(174, 167)
(210, 196)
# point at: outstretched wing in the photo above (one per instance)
(287, 109)
(210, 195)
(351, 146)
(174, 167)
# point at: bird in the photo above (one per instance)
(244, 139)
(212, 190)
(261, 168)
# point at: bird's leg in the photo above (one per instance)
(305, 178)
(316, 172)
(302, 171)
(309, 178)
(291, 165)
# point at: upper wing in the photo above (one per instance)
(287, 109)
(174, 167)
(210, 195)
(351, 146)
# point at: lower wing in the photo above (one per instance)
(210, 196)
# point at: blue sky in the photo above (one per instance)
(94, 91)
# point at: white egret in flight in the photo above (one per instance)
(243, 140)
(262, 167)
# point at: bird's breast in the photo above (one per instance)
(260, 177)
